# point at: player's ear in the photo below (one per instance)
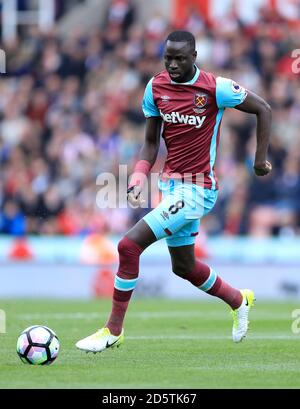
(194, 55)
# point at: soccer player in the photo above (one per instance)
(185, 104)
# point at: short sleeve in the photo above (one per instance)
(228, 93)
(148, 106)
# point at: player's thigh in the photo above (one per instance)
(186, 236)
(183, 259)
(177, 217)
(168, 217)
(141, 234)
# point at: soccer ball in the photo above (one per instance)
(38, 345)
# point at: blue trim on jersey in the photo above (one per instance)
(213, 148)
(125, 285)
(148, 105)
(192, 81)
(207, 285)
(228, 93)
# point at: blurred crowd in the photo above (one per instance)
(70, 109)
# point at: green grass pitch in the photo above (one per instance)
(168, 344)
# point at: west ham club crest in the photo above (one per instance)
(200, 100)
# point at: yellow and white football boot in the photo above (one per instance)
(240, 316)
(100, 340)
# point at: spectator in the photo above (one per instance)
(12, 220)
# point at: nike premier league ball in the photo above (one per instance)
(38, 345)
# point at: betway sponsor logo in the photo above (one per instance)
(177, 118)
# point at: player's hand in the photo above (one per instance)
(262, 169)
(134, 196)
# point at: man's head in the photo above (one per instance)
(180, 55)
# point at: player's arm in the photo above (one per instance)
(253, 104)
(229, 94)
(149, 151)
(150, 147)
(148, 155)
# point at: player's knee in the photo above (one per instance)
(128, 248)
(129, 256)
(124, 246)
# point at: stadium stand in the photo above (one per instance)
(70, 108)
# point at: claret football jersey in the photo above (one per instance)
(191, 114)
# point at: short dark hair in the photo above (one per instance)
(183, 36)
